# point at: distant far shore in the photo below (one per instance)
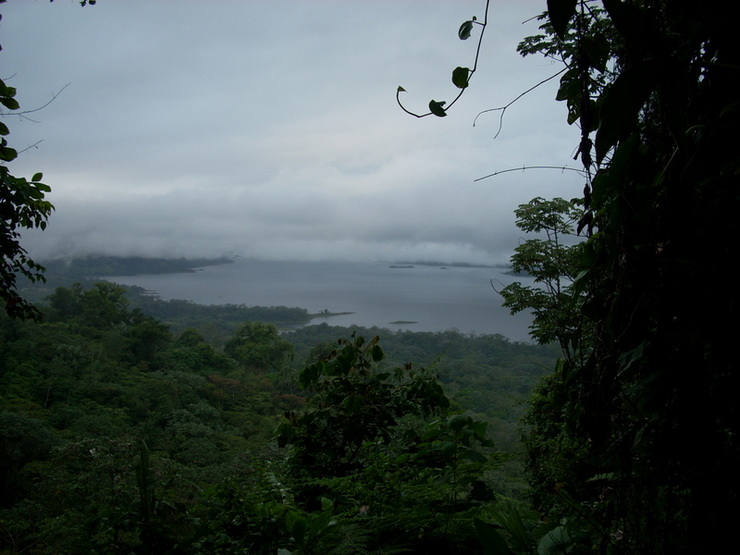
(101, 266)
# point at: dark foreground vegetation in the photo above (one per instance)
(118, 435)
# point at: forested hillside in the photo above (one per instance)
(126, 431)
(118, 435)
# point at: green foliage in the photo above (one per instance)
(215, 321)
(634, 437)
(437, 108)
(22, 206)
(259, 346)
(77, 401)
(554, 260)
(637, 424)
(488, 375)
(466, 29)
(353, 403)
(460, 75)
(560, 13)
(22, 440)
(102, 306)
(382, 446)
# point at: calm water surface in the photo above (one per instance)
(417, 298)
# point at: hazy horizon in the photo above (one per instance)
(414, 297)
(271, 129)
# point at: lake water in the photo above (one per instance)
(406, 297)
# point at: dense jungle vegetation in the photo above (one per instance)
(118, 435)
(631, 441)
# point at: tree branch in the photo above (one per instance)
(502, 109)
(22, 113)
(523, 168)
(399, 90)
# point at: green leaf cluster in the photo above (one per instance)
(625, 443)
(22, 206)
(554, 259)
(118, 435)
(460, 75)
(383, 446)
(259, 345)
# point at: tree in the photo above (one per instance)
(650, 412)
(553, 260)
(352, 403)
(146, 338)
(22, 440)
(556, 300)
(101, 307)
(104, 305)
(64, 302)
(22, 206)
(259, 346)
(383, 448)
(648, 424)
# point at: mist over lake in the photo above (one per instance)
(416, 297)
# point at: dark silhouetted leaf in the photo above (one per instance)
(460, 76)
(9, 102)
(8, 154)
(437, 108)
(621, 108)
(377, 353)
(560, 13)
(465, 29)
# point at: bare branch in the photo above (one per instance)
(502, 109)
(23, 113)
(29, 147)
(524, 168)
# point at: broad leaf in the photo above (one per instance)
(376, 352)
(555, 541)
(8, 154)
(437, 108)
(460, 76)
(560, 13)
(621, 108)
(465, 29)
(9, 102)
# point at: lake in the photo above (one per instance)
(416, 297)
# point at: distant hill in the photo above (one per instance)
(64, 272)
(101, 266)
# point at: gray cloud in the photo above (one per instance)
(270, 129)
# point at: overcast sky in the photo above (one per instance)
(270, 129)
